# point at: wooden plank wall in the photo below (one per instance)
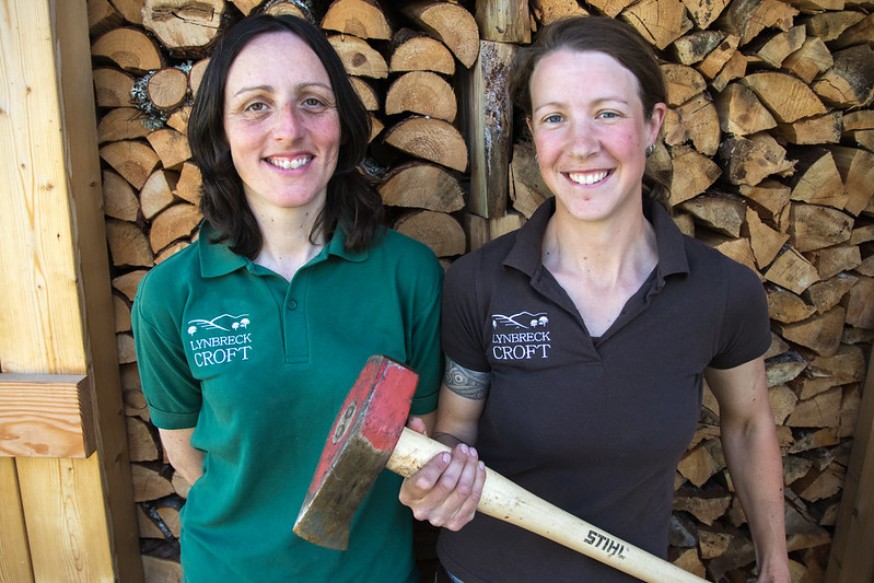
(61, 519)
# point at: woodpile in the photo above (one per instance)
(768, 147)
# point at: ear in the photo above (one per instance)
(659, 111)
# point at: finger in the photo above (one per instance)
(418, 486)
(467, 493)
(417, 425)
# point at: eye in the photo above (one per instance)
(608, 115)
(256, 106)
(552, 118)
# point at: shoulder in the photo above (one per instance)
(708, 262)
(394, 250)
(490, 256)
(172, 273)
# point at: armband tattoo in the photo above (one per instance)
(465, 382)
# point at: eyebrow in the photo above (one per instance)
(299, 87)
(598, 101)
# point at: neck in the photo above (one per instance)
(287, 242)
(605, 251)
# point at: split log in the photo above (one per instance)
(129, 48)
(764, 241)
(421, 92)
(132, 159)
(748, 161)
(362, 18)
(366, 93)
(413, 51)
(424, 186)
(682, 83)
(149, 483)
(171, 147)
(429, 139)
(721, 213)
(792, 271)
(121, 123)
(810, 60)
(814, 227)
(741, 113)
(127, 284)
(833, 260)
(359, 58)
(189, 184)
(825, 129)
(112, 87)
(141, 442)
(185, 28)
(705, 12)
(119, 200)
(693, 174)
(786, 307)
(695, 46)
(131, 10)
(788, 98)
(775, 50)
(850, 82)
(449, 23)
(719, 57)
(157, 193)
(747, 18)
(175, 222)
(527, 189)
(660, 22)
(128, 245)
(102, 17)
(820, 333)
(817, 180)
(439, 231)
(546, 11)
(696, 121)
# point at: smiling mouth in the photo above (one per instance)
(287, 164)
(588, 178)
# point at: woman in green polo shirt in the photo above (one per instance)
(249, 339)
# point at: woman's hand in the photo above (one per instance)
(446, 491)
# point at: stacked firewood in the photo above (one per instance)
(768, 147)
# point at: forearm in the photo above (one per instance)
(755, 463)
(185, 458)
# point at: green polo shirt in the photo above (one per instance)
(260, 367)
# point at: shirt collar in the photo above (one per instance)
(526, 252)
(217, 259)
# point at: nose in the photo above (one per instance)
(584, 138)
(288, 123)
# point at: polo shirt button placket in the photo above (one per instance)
(292, 305)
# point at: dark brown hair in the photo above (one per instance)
(603, 35)
(350, 204)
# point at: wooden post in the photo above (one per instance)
(62, 519)
(848, 562)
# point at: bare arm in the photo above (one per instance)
(749, 440)
(447, 489)
(185, 459)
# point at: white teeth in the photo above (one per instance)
(290, 164)
(587, 179)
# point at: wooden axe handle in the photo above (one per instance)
(504, 500)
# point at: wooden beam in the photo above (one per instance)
(486, 114)
(848, 563)
(46, 416)
(55, 294)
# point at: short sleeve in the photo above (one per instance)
(461, 329)
(172, 393)
(745, 333)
